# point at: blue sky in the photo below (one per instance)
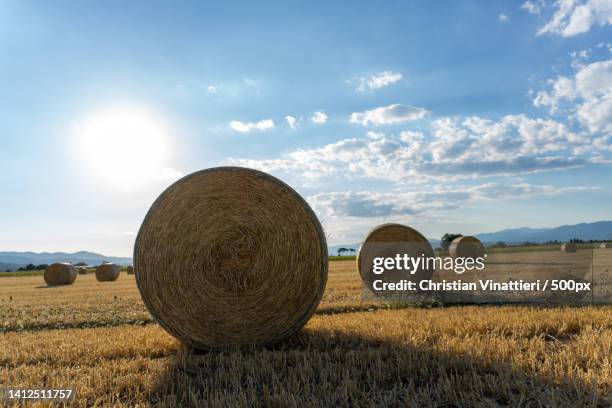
(450, 117)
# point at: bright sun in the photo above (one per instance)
(125, 148)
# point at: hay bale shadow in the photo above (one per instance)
(336, 368)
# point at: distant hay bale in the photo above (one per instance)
(130, 270)
(387, 240)
(230, 256)
(569, 247)
(82, 271)
(466, 247)
(107, 272)
(606, 245)
(60, 274)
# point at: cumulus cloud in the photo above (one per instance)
(291, 121)
(377, 81)
(533, 7)
(453, 148)
(386, 115)
(503, 18)
(589, 94)
(211, 88)
(367, 204)
(574, 17)
(245, 127)
(319, 118)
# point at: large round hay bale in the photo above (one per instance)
(107, 272)
(388, 240)
(230, 256)
(606, 245)
(466, 247)
(569, 247)
(60, 274)
(130, 270)
(82, 271)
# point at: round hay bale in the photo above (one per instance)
(82, 271)
(466, 247)
(107, 272)
(387, 240)
(60, 274)
(569, 247)
(606, 245)
(230, 256)
(130, 270)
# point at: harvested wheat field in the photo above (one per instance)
(99, 339)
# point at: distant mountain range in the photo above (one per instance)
(14, 260)
(600, 231)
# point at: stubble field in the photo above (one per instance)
(99, 339)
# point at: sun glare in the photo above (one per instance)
(125, 148)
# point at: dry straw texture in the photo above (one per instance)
(387, 240)
(569, 247)
(107, 272)
(82, 271)
(130, 270)
(606, 245)
(60, 274)
(466, 247)
(230, 256)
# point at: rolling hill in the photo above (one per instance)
(14, 260)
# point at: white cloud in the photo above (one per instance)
(367, 204)
(503, 18)
(590, 94)
(377, 81)
(533, 7)
(562, 89)
(245, 127)
(574, 17)
(291, 121)
(388, 115)
(319, 118)
(211, 89)
(453, 148)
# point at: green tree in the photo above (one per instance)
(447, 239)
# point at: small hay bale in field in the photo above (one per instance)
(130, 270)
(569, 247)
(466, 247)
(606, 245)
(388, 240)
(107, 272)
(82, 271)
(230, 256)
(60, 274)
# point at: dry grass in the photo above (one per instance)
(456, 356)
(26, 303)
